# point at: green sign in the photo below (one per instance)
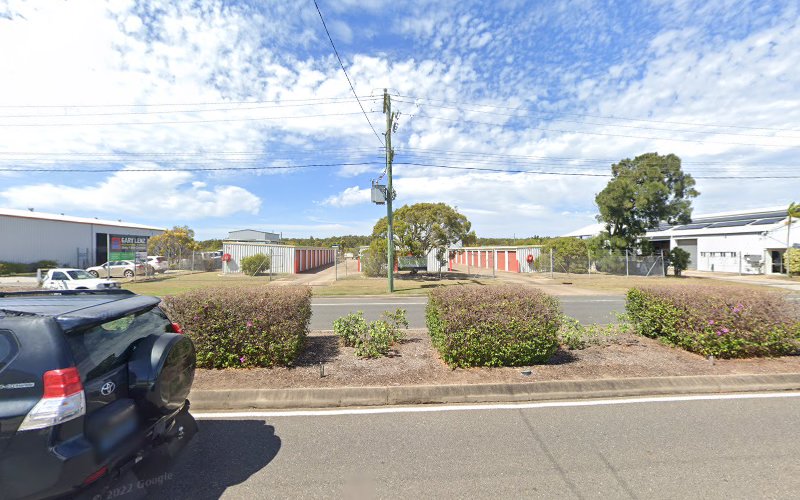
(127, 247)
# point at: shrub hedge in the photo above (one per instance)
(238, 327)
(718, 321)
(254, 264)
(22, 268)
(371, 339)
(501, 325)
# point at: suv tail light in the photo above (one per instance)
(63, 400)
(176, 328)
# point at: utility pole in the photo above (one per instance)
(387, 110)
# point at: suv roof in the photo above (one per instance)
(75, 308)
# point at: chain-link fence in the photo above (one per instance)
(610, 263)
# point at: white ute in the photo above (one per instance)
(75, 279)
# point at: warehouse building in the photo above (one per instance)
(745, 241)
(283, 258)
(27, 236)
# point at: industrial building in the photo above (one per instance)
(253, 236)
(27, 236)
(284, 258)
(745, 241)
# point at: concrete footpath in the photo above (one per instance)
(271, 399)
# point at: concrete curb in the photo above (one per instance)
(327, 397)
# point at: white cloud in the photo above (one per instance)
(150, 194)
(351, 196)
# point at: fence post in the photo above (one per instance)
(271, 263)
(494, 263)
(626, 262)
(740, 263)
(192, 260)
(551, 264)
(663, 265)
(589, 261)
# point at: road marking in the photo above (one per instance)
(315, 304)
(484, 407)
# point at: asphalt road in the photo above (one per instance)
(741, 448)
(599, 309)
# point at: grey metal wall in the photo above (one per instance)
(522, 257)
(281, 256)
(25, 240)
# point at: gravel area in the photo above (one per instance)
(416, 362)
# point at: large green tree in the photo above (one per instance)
(570, 255)
(643, 192)
(422, 227)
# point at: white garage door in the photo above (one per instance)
(691, 247)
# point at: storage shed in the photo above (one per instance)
(284, 259)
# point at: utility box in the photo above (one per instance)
(379, 194)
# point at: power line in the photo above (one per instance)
(578, 174)
(345, 71)
(609, 117)
(206, 103)
(173, 122)
(504, 125)
(375, 163)
(188, 169)
(614, 124)
(175, 111)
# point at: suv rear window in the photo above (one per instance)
(102, 348)
(8, 348)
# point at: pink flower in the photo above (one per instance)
(241, 360)
(725, 330)
(711, 322)
(249, 324)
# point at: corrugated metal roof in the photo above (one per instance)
(27, 214)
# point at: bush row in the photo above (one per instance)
(500, 325)
(718, 321)
(238, 327)
(20, 268)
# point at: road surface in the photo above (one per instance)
(664, 448)
(599, 309)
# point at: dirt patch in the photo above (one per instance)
(416, 362)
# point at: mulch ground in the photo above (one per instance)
(416, 362)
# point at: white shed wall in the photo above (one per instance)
(25, 240)
(281, 256)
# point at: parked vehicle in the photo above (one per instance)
(93, 385)
(118, 269)
(158, 263)
(75, 279)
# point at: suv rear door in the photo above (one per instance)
(101, 354)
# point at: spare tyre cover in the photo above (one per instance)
(161, 372)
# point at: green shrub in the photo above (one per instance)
(373, 259)
(243, 327)
(374, 339)
(502, 325)
(255, 264)
(793, 260)
(7, 268)
(350, 328)
(576, 336)
(680, 260)
(718, 321)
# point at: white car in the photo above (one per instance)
(158, 263)
(75, 279)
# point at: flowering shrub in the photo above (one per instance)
(718, 321)
(501, 325)
(243, 327)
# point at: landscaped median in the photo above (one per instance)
(482, 344)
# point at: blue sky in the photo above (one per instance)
(109, 101)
